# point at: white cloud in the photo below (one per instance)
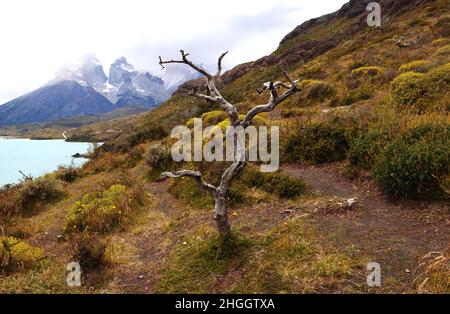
(38, 37)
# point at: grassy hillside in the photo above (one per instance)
(365, 178)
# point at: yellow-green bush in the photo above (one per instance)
(439, 42)
(257, 121)
(17, 254)
(409, 89)
(443, 51)
(282, 185)
(420, 66)
(213, 117)
(422, 91)
(209, 118)
(105, 211)
(367, 70)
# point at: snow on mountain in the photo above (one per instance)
(83, 88)
(125, 82)
(125, 85)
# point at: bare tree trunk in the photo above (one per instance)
(221, 214)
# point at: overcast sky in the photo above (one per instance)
(38, 37)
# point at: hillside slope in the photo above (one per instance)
(324, 49)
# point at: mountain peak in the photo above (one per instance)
(86, 71)
(122, 63)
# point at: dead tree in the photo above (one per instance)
(220, 192)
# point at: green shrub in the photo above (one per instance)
(365, 150)
(16, 254)
(356, 95)
(320, 142)
(105, 211)
(39, 191)
(416, 163)
(134, 156)
(67, 174)
(159, 158)
(420, 66)
(187, 190)
(87, 250)
(320, 91)
(10, 203)
(282, 185)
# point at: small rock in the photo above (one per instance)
(141, 276)
(351, 202)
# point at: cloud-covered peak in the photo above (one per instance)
(86, 71)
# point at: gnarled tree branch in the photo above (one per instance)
(189, 173)
(214, 94)
(219, 64)
(186, 61)
(274, 99)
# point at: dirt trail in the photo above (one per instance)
(394, 233)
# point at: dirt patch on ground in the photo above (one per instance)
(395, 234)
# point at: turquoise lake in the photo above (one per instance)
(35, 157)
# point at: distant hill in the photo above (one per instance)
(53, 102)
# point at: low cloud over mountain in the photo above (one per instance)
(83, 88)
